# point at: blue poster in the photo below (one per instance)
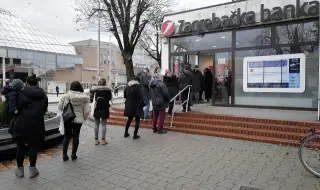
(277, 73)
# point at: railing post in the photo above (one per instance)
(188, 99)
(318, 116)
(172, 115)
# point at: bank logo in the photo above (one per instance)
(167, 28)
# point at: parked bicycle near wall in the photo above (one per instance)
(309, 152)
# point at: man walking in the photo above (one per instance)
(185, 80)
(57, 91)
(145, 79)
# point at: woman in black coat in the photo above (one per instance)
(172, 84)
(208, 81)
(29, 126)
(133, 106)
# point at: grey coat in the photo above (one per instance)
(159, 95)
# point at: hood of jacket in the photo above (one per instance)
(132, 82)
(77, 98)
(155, 83)
(187, 72)
(33, 92)
(94, 88)
(169, 77)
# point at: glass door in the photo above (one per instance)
(222, 78)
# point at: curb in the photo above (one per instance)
(53, 102)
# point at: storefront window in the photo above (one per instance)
(206, 42)
(61, 62)
(255, 37)
(297, 33)
(306, 99)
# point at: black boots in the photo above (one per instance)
(136, 137)
(65, 157)
(126, 134)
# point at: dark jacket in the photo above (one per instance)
(144, 83)
(185, 79)
(102, 95)
(197, 81)
(159, 95)
(11, 95)
(134, 101)
(208, 83)
(32, 105)
(172, 84)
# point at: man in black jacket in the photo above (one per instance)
(197, 83)
(185, 80)
(145, 79)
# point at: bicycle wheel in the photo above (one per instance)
(309, 153)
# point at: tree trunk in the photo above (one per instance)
(129, 69)
(159, 62)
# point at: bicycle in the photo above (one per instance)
(314, 148)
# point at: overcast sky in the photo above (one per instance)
(57, 17)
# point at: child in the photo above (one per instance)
(11, 93)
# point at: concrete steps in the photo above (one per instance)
(253, 129)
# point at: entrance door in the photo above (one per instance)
(222, 80)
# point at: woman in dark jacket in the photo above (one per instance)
(102, 95)
(208, 81)
(29, 126)
(133, 106)
(172, 84)
(160, 101)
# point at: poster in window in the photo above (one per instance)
(275, 73)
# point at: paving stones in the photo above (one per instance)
(172, 161)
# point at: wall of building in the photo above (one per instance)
(227, 9)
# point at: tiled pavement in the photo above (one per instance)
(171, 161)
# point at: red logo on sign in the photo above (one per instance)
(167, 28)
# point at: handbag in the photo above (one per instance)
(61, 126)
(93, 107)
(68, 113)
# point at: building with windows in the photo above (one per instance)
(88, 49)
(27, 50)
(261, 53)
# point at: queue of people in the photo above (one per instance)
(27, 104)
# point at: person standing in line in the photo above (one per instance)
(197, 83)
(133, 106)
(81, 108)
(171, 82)
(160, 101)
(29, 126)
(103, 95)
(145, 78)
(185, 80)
(57, 91)
(208, 84)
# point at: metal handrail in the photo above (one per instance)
(185, 102)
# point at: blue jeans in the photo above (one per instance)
(147, 107)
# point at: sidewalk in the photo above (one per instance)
(173, 161)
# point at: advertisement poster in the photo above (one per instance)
(275, 73)
(176, 68)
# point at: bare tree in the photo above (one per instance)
(125, 19)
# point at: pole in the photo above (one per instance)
(99, 12)
(110, 60)
(318, 116)
(3, 71)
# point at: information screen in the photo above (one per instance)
(276, 73)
